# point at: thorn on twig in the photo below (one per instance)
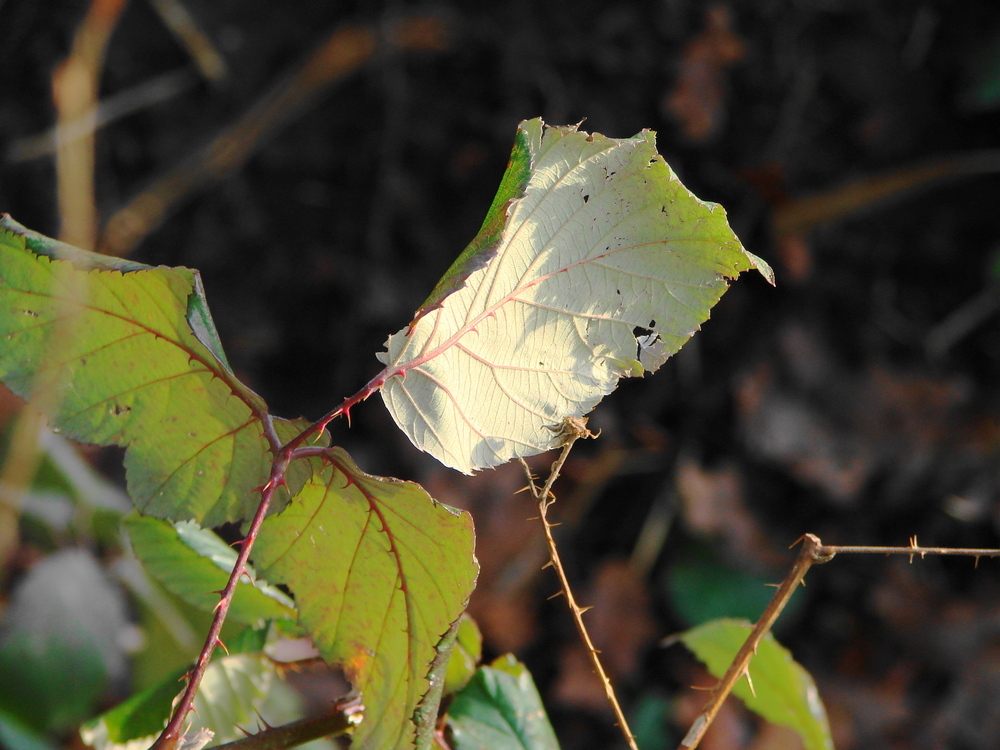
(222, 645)
(750, 682)
(262, 720)
(581, 610)
(557, 594)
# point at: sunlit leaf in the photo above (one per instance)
(379, 571)
(783, 692)
(595, 263)
(194, 564)
(500, 709)
(142, 368)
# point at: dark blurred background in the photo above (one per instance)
(856, 147)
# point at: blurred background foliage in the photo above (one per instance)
(322, 163)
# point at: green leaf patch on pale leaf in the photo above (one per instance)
(604, 266)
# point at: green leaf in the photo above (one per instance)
(60, 641)
(15, 735)
(500, 709)
(379, 571)
(232, 693)
(783, 692)
(194, 564)
(482, 249)
(138, 348)
(140, 717)
(604, 267)
(702, 587)
(465, 656)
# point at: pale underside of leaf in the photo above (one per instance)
(606, 267)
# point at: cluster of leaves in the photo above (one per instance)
(594, 263)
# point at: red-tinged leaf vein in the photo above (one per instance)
(388, 572)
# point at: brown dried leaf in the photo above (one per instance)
(698, 98)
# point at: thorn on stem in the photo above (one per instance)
(222, 645)
(557, 594)
(797, 542)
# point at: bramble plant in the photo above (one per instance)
(593, 263)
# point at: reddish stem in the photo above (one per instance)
(168, 738)
(283, 455)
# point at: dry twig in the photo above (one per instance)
(813, 551)
(571, 430)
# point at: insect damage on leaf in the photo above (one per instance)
(600, 264)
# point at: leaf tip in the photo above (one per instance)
(762, 266)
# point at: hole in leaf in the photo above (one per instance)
(640, 331)
(586, 198)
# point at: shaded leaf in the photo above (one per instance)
(703, 587)
(500, 709)
(231, 696)
(143, 351)
(194, 564)
(17, 736)
(465, 656)
(379, 571)
(605, 267)
(59, 641)
(783, 692)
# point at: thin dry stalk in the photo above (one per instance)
(74, 90)
(573, 430)
(341, 54)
